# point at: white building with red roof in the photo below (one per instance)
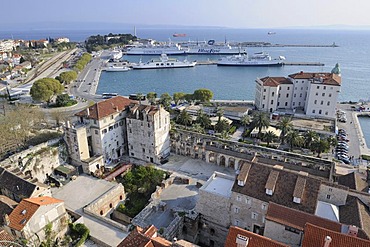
(314, 94)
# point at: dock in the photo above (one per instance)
(214, 62)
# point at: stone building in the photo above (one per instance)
(30, 218)
(98, 135)
(148, 133)
(314, 94)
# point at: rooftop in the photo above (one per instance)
(275, 81)
(298, 219)
(238, 235)
(354, 181)
(327, 210)
(219, 184)
(322, 78)
(315, 236)
(146, 237)
(105, 108)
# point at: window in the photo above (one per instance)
(236, 222)
(264, 206)
(110, 128)
(302, 81)
(293, 103)
(287, 95)
(288, 88)
(296, 81)
(116, 125)
(272, 94)
(212, 231)
(286, 103)
(329, 94)
(94, 121)
(322, 102)
(130, 130)
(239, 198)
(272, 102)
(328, 103)
(324, 87)
(300, 95)
(315, 102)
(120, 123)
(313, 111)
(96, 132)
(254, 215)
(278, 103)
(317, 94)
(248, 201)
(291, 229)
(301, 88)
(294, 95)
(264, 90)
(318, 87)
(263, 106)
(279, 95)
(264, 97)
(236, 210)
(328, 197)
(111, 117)
(299, 103)
(326, 113)
(323, 94)
(331, 88)
(320, 111)
(330, 189)
(104, 131)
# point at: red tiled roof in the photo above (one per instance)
(314, 236)
(275, 81)
(297, 219)
(20, 216)
(327, 78)
(105, 108)
(144, 238)
(254, 240)
(5, 236)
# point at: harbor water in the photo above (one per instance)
(365, 126)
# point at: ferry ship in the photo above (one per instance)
(258, 59)
(211, 48)
(169, 48)
(179, 35)
(164, 62)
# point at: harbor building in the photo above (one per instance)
(314, 94)
(99, 136)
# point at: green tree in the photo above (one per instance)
(203, 119)
(177, 97)
(260, 120)
(333, 142)
(62, 100)
(44, 89)
(222, 126)
(184, 118)
(320, 146)
(309, 138)
(245, 120)
(67, 77)
(269, 137)
(189, 97)
(151, 96)
(165, 100)
(294, 139)
(203, 95)
(140, 97)
(285, 125)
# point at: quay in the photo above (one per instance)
(214, 62)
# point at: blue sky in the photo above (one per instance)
(225, 13)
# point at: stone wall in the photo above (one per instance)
(279, 233)
(333, 194)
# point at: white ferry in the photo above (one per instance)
(168, 48)
(164, 63)
(258, 59)
(211, 48)
(115, 68)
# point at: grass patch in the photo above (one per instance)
(365, 157)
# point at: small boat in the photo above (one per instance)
(114, 68)
(164, 62)
(179, 35)
(116, 54)
(258, 59)
(271, 33)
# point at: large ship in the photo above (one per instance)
(168, 48)
(257, 59)
(164, 62)
(115, 68)
(210, 48)
(179, 35)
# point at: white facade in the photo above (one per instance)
(316, 94)
(148, 133)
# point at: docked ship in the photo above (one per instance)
(164, 62)
(179, 35)
(210, 48)
(257, 59)
(168, 48)
(115, 68)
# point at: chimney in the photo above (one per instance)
(6, 220)
(353, 231)
(242, 241)
(68, 124)
(327, 241)
(87, 111)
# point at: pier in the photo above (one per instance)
(214, 62)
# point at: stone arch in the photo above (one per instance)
(231, 162)
(212, 157)
(222, 161)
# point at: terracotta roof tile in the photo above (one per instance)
(243, 175)
(254, 240)
(105, 108)
(284, 188)
(297, 219)
(6, 207)
(354, 181)
(275, 81)
(20, 216)
(314, 236)
(271, 181)
(5, 236)
(321, 78)
(144, 238)
(299, 187)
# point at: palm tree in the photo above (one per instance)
(294, 139)
(285, 125)
(140, 97)
(260, 120)
(320, 146)
(203, 119)
(269, 137)
(219, 114)
(183, 118)
(245, 121)
(222, 125)
(151, 96)
(309, 137)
